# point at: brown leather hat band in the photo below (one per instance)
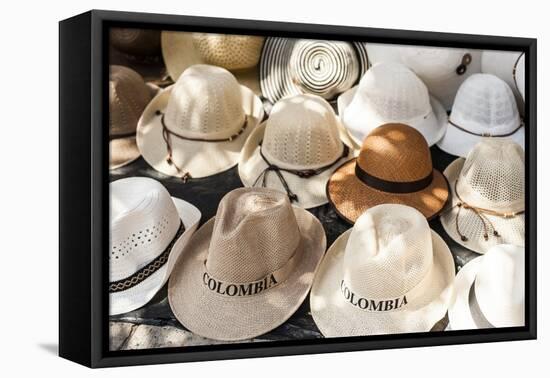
(392, 186)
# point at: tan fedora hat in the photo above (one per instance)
(296, 150)
(246, 271)
(197, 127)
(389, 274)
(488, 196)
(393, 166)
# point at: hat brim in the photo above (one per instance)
(460, 316)
(199, 159)
(212, 315)
(337, 318)
(122, 151)
(141, 294)
(511, 230)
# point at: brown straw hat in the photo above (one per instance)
(246, 271)
(393, 166)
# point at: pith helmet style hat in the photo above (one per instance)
(393, 166)
(197, 127)
(296, 150)
(389, 274)
(391, 93)
(484, 107)
(490, 290)
(508, 66)
(246, 271)
(488, 200)
(149, 230)
(289, 67)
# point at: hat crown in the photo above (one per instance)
(229, 51)
(302, 132)
(432, 62)
(255, 233)
(205, 102)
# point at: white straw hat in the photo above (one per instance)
(490, 290)
(246, 271)
(296, 150)
(389, 274)
(508, 66)
(149, 229)
(488, 196)
(197, 127)
(484, 107)
(391, 93)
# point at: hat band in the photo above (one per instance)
(486, 134)
(392, 186)
(477, 315)
(148, 270)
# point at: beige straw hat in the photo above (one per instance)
(296, 150)
(197, 127)
(149, 230)
(246, 271)
(389, 274)
(490, 290)
(488, 196)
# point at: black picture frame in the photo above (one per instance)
(83, 194)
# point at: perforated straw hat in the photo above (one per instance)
(393, 166)
(484, 107)
(246, 271)
(488, 196)
(289, 67)
(490, 290)
(391, 93)
(296, 150)
(149, 230)
(389, 274)
(508, 66)
(197, 127)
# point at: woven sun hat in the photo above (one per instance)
(248, 269)
(289, 67)
(394, 165)
(490, 290)
(149, 230)
(484, 107)
(388, 274)
(296, 150)
(508, 66)
(197, 127)
(441, 69)
(391, 93)
(488, 196)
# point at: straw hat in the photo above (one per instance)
(393, 166)
(246, 271)
(441, 69)
(490, 290)
(296, 150)
(484, 107)
(488, 200)
(149, 229)
(505, 65)
(290, 67)
(197, 127)
(391, 93)
(389, 274)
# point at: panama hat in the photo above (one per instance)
(484, 107)
(296, 150)
(149, 230)
(289, 67)
(389, 274)
(488, 196)
(197, 127)
(441, 69)
(490, 290)
(394, 165)
(246, 271)
(508, 66)
(391, 93)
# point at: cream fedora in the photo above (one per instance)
(508, 66)
(296, 150)
(488, 196)
(246, 271)
(197, 127)
(490, 290)
(389, 274)
(149, 230)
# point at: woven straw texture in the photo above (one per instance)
(501, 64)
(140, 42)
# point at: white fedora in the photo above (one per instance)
(508, 66)
(148, 231)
